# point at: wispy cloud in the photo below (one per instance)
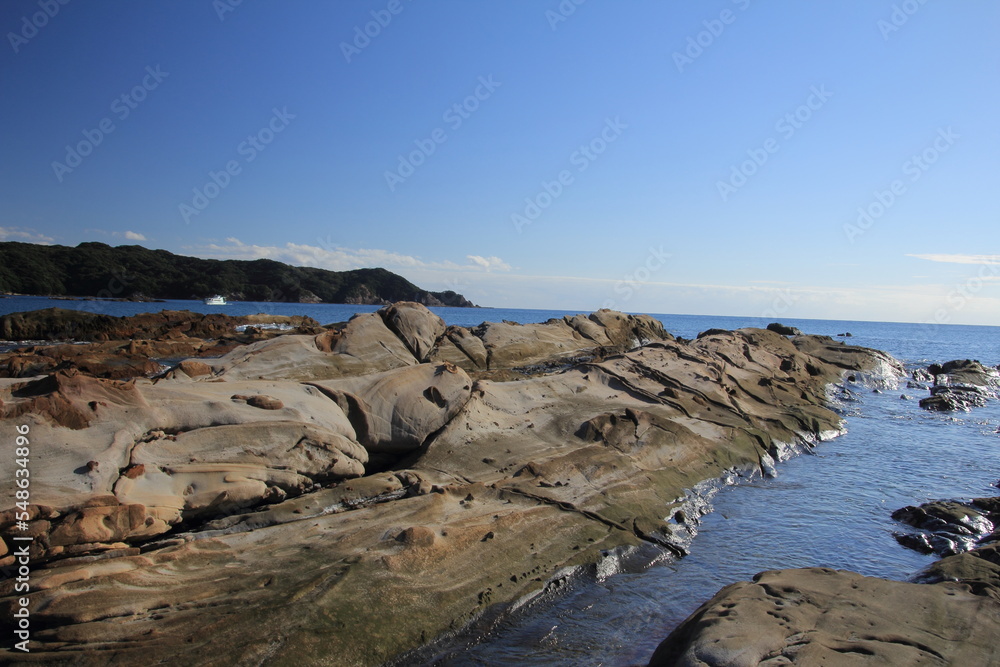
(492, 281)
(127, 235)
(25, 235)
(337, 258)
(489, 263)
(960, 259)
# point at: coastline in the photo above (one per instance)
(491, 500)
(436, 497)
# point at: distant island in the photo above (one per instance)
(95, 269)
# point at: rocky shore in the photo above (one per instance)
(341, 495)
(124, 347)
(948, 614)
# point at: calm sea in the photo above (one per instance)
(829, 509)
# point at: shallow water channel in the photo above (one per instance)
(830, 508)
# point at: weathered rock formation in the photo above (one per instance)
(128, 346)
(948, 527)
(58, 324)
(343, 497)
(406, 333)
(959, 385)
(826, 617)
(784, 330)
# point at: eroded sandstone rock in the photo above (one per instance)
(411, 483)
(396, 411)
(819, 616)
(406, 334)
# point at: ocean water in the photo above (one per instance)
(830, 508)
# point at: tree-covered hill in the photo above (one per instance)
(97, 269)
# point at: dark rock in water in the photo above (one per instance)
(780, 328)
(978, 567)
(959, 385)
(846, 334)
(915, 385)
(971, 372)
(945, 398)
(949, 526)
(919, 542)
(961, 372)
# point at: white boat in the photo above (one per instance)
(217, 300)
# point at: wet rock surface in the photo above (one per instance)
(351, 494)
(948, 527)
(958, 385)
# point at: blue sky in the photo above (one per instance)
(735, 157)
